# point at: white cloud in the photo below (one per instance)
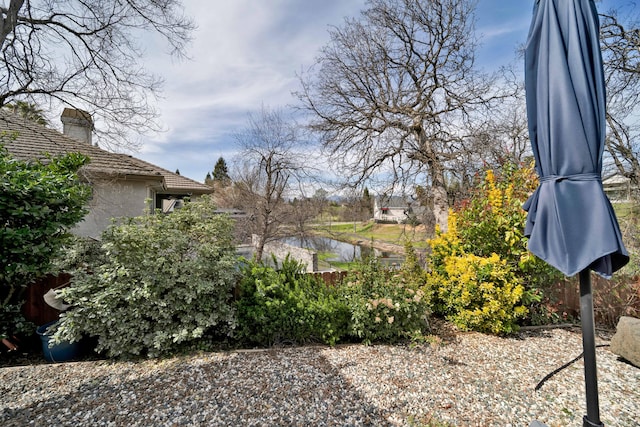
(502, 30)
(245, 53)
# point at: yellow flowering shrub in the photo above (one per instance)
(482, 275)
(479, 293)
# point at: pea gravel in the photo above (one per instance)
(472, 380)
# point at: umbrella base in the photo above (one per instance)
(587, 423)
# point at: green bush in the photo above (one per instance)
(372, 304)
(12, 322)
(39, 203)
(287, 305)
(387, 305)
(162, 284)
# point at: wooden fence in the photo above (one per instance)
(330, 277)
(611, 298)
(35, 309)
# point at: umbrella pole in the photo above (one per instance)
(589, 346)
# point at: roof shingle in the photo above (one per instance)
(27, 140)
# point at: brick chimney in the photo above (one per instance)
(77, 124)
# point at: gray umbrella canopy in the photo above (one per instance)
(570, 223)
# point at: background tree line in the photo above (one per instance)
(395, 99)
(396, 96)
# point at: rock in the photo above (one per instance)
(626, 341)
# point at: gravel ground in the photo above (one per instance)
(474, 380)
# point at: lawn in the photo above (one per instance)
(395, 234)
(626, 210)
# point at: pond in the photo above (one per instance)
(342, 251)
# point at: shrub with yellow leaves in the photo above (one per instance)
(482, 276)
(479, 293)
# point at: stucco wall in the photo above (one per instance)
(113, 200)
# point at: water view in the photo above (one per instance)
(342, 251)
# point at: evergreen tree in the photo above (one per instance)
(208, 180)
(177, 171)
(367, 202)
(221, 173)
(28, 111)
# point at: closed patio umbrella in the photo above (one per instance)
(570, 223)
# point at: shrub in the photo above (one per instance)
(479, 293)
(164, 282)
(39, 203)
(493, 221)
(485, 241)
(385, 304)
(287, 305)
(12, 322)
(371, 304)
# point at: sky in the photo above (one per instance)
(246, 54)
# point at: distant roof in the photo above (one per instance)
(616, 178)
(175, 182)
(34, 141)
(394, 201)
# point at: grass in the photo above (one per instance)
(626, 210)
(370, 231)
(349, 227)
(343, 265)
(324, 263)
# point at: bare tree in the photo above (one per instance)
(355, 210)
(302, 211)
(270, 164)
(621, 56)
(503, 136)
(86, 54)
(395, 90)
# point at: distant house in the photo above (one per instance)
(395, 209)
(618, 188)
(121, 184)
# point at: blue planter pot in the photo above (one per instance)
(63, 352)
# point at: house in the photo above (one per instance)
(122, 185)
(618, 188)
(395, 209)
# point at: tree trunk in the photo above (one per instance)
(441, 207)
(439, 197)
(263, 229)
(259, 247)
(8, 24)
